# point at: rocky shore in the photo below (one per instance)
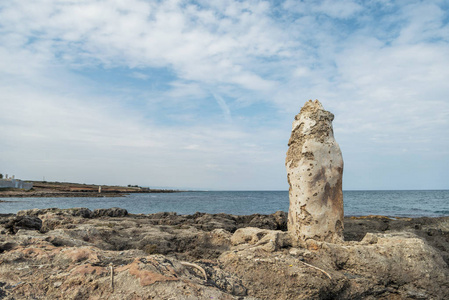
(42, 189)
(110, 254)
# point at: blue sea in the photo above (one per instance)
(356, 203)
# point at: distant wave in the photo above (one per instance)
(443, 212)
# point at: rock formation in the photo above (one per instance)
(79, 254)
(315, 169)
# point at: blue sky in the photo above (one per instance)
(202, 94)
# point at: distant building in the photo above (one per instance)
(15, 184)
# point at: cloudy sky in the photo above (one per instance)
(202, 94)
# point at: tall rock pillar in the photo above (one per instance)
(314, 171)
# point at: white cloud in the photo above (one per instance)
(382, 69)
(140, 75)
(424, 22)
(224, 107)
(342, 9)
(198, 44)
(56, 136)
(339, 9)
(186, 90)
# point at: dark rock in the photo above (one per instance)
(23, 222)
(168, 218)
(62, 241)
(263, 222)
(210, 222)
(6, 246)
(37, 212)
(162, 215)
(82, 212)
(281, 219)
(110, 212)
(357, 227)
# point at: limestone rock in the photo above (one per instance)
(268, 240)
(394, 265)
(383, 258)
(315, 169)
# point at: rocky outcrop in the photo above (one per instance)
(267, 240)
(382, 266)
(23, 222)
(170, 256)
(314, 169)
(66, 189)
(110, 212)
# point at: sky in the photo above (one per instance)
(202, 94)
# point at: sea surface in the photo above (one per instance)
(356, 203)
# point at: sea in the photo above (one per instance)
(422, 203)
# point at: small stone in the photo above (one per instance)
(369, 239)
(295, 252)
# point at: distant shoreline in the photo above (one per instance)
(42, 189)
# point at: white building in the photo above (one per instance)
(15, 183)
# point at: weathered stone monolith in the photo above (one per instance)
(314, 171)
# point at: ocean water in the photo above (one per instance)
(356, 203)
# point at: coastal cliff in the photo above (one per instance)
(110, 254)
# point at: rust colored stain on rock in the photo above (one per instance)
(80, 254)
(147, 277)
(88, 269)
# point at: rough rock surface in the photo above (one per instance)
(382, 266)
(110, 212)
(168, 256)
(314, 170)
(23, 222)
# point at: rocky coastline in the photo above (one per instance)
(111, 254)
(43, 189)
